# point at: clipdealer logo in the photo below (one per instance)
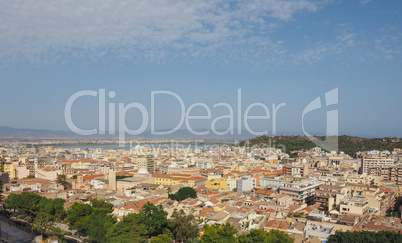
(119, 111)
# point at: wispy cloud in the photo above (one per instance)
(43, 30)
(160, 31)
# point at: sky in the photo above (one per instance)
(205, 52)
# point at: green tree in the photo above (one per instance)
(78, 216)
(219, 234)
(43, 222)
(277, 236)
(154, 218)
(129, 229)
(52, 207)
(183, 193)
(183, 226)
(255, 235)
(26, 202)
(61, 179)
(162, 239)
(365, 236)
(12, 201)
(100, 224)
(102, 205)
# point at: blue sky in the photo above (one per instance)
(274, 51)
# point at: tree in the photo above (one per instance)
(43, 222)
(78, 216)
(365, 236)
(129, 229)
(12, 201)
(183, 193)
(162, 239)
(219, 234)
(53, 207)
(61, 179)
(26, 202)
(154, 218)
(183, 226)
(277, 236)
(150, 221)
(102, 205)
(255, 235)
(100, 224)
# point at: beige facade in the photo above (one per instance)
(147, 162)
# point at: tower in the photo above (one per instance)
(112, 180)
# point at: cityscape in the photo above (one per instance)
(201, 121)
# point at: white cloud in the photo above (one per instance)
(47, 30)
(177, 30)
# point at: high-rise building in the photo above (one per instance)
(147, 162)
(375, 162)
(36, 162)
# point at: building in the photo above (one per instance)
(10, 168)
(112, 180)
(301, 191)
(147, 162)
(353, 206)
(49, 173)
(271, 182)
(375, 162)
(178, 179)
(393, 173)
(326, 196)
(21, 171)
(204, 165)
(36, 162)
(244, 184)
(216, 184)
(295, 170)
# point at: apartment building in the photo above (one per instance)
(301, 191)
(271, 182)
(375, 162)
(326, 196)
(295, 170)
(390, 174)
(36, 162)
(147, 162)
(353, 206)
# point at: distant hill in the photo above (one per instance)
(9, 132)
(348, 144)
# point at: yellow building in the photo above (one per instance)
(178, 179)
(10, 169)
(273, 161)
(216, 184)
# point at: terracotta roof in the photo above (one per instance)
(278, 224)
(214, 200)
(264, 192)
